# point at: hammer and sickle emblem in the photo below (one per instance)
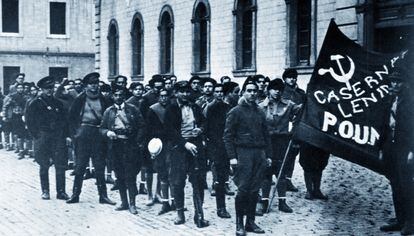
(342, 77)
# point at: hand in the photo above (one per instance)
(233, 161)
(197, 131)
(4, 119)
(111, 134)
(68, 141)
(191, 148)
(410, 158)
(23, 119)
(269, 162)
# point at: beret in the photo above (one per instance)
(290, 73)
(46, 82)
(122, 77)
(156, 78)
(182, 85)
(276, 84)
(134, 85)
(117, 88)
(91, 78)
(249, 80)
(229, 86)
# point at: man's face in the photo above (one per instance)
(92, 87)
(290, 81)
(208, 88)
(138, 91)
(261, 83)
(48, 91)
(173, 80)
(121, 82)
(250, 94)
(195, 85)
(225, 80)
(20, 79)
(20, 89)
(275, 94)
(395, 87)
(118, 97)
(182, 95)
(168, 84)
(163, 98)
(218, 93)
(33, 91)
(235, 93)
(158, 86)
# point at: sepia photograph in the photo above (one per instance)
(206, 117)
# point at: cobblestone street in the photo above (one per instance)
(359, 202)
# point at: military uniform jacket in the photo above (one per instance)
(246, 127)
(46, 114)
(134, 121)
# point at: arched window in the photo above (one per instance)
(166, 29)
(245, 36)
(113, 46)
(201, 39)
(137, 39)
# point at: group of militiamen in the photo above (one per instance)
(96, 129)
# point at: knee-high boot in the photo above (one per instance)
(124, 200)
(44, 182)
(198, 207)
(77, 188)
(132, 207)
(251, 225)
(103, 195)
(61, 184)
(164, 199)
(281, 191)
(309, 185)
(240, 204)
(316, 179)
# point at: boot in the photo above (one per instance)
(199, 214)
(132, 207)
(265, 203)
(142, 190)
(173, 206)
(228, 190)
(290, 187)
(309, 185)
(109, 179)
(222, 213)
(395, 226)
(115, 186)
(61, 185)
(317, 187)
(103, 196)
(284, 207)
(77, 186)
(124, 201)
(44, 183)
(408, 229)
(240, 226)
(164, 198)
(250, 221)
(180, 217)
(19, 145)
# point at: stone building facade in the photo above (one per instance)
(45, 37)
(237, 38)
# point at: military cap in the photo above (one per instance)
(46, 82)
(290, 73)
(156, 78)
(259, 76)
(249, 80)
(21, 74)
(276, 84)
(26, 84)
(124, 78)
(91, 78)
(105, 88)
(229, 86)
(116, 88)
(182, 85)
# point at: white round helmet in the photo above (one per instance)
(155, 147)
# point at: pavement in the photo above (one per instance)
(359, 203)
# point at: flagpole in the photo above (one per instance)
(278, 176)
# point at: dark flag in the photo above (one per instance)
(348, 101)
